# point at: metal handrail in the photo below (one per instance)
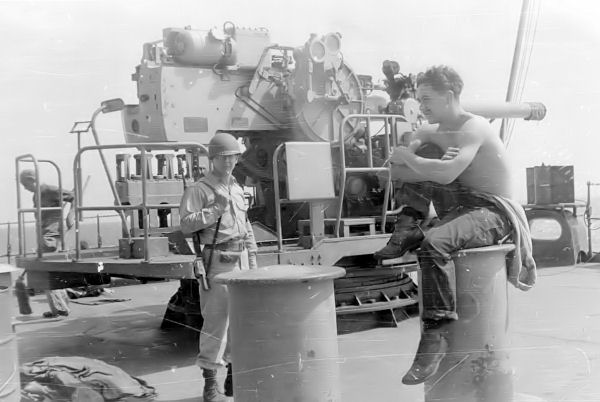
(145, 217)
(389, 122)
(588, 217)
(390, 131)
(38, 202)
(276, 195)
(142, 147)
(8, 224)
(127, 207)
(77, 170)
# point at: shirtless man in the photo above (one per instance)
(474, 162)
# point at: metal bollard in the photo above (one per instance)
(10, 387)
(476, 367)
(283, 333)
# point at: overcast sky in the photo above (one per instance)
(61, 58)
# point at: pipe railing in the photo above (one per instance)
(389, 125)
(276, 195)
(37, 209)
(144, 207)
(279, 201)
(8, 225)
(588, 218)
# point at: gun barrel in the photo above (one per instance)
(504, 110)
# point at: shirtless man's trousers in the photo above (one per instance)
(465, 221)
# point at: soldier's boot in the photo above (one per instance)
(229, 381)
(432, 349)
(211, 387)
(407, 236)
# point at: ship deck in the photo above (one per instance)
(555, 340)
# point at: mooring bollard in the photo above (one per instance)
(476, 367)
(283, 333)
(10, 387)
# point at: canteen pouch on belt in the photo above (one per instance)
(229, 257)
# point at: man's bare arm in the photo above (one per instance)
(441, 171)
(401, 172)
(446, 171)
(405, 174)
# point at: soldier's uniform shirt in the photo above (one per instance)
(199, 213)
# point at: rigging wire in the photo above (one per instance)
(524, 70)
(517, 75)
(530, 30)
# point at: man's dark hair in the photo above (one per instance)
(442, 78)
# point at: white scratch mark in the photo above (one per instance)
(587, 360)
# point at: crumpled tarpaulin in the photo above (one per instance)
(79, 379)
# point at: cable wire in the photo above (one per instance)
(530, 31)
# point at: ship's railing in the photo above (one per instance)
(589, 219)
(305, 191)
(7, 227)
(144, 207)
(8, 253)
(277, 196)
(37, 209)
(390, 137)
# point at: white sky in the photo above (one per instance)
(61, 58)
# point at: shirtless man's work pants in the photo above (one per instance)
(464, 222)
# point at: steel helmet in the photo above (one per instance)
(223, 144)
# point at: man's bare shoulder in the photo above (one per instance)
(477, 125)
(475, 131)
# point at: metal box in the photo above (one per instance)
(550, 184)
(309, 171)
(157, 247)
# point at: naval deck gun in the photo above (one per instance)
(315, 135)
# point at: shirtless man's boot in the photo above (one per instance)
(407, 236)
(431, 351)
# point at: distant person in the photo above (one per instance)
(214, 210)
(50, 196)
(470, 187)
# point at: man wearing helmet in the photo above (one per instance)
(214, 210)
